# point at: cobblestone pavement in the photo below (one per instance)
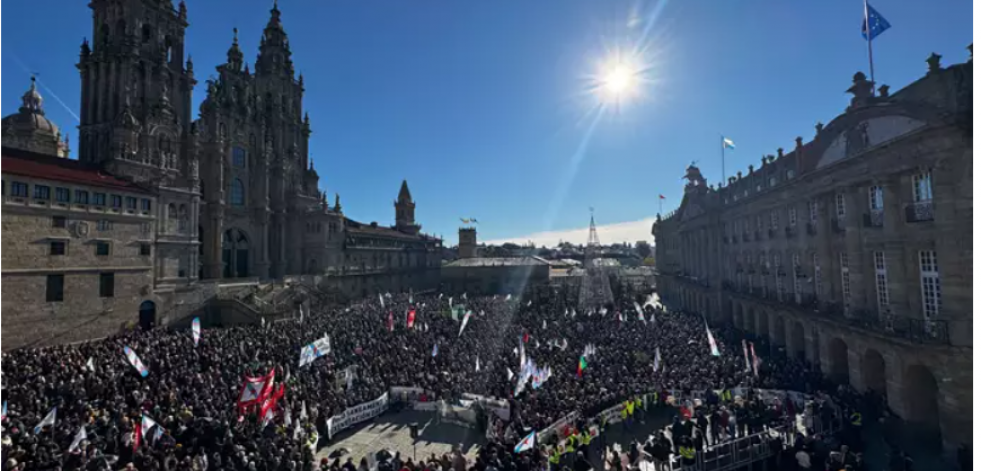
(391, 432)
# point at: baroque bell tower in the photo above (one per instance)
(136, 91)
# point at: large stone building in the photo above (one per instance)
(233, 195)
(852, 250)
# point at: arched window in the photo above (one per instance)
(237, 193)
(147, 33)
(182, 218)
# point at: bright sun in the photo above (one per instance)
(619, 80)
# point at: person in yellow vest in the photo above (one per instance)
(555, 459)
(687, 452)
(570, 447)
(856, 419)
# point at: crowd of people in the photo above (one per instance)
(191, 390)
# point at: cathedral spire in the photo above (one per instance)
(234, 53)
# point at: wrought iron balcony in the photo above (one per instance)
(919, 212)
(914, 330)
(790, 231)
(772, 233)
(874, 218)
(812, 229)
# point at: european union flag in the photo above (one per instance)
(876, 23)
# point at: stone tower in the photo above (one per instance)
(136, 119)
(30, 130)
(468, 242)
(260, 179)
(136, 91)
(405, 212)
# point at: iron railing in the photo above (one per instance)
(790, 231)
(874, 218)
(919, 212)
(922, 331)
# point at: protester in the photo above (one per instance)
(192, 388)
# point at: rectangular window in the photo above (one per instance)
(238, 157)
(55, 290)
(812, 207)
(131, 203)
(81, 197)
(817, 276)
(146, 205)
(846, 282)
(759, 223)
(99, 199)
(774, 219)
(102, 249)
(840, 206)
(63, 195)
(107, 285)
(117, 201)
(59, 222)
(923, 187)
(18, 190)
(144, 250)
(792, 217)
(881, 282)
(930, 284)
(42, 192)
(57, 248)
(103, 225)
(875, 198)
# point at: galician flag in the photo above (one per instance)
(712, 345)
(728, 144)
(49, 420)
(142, 431)
(527, 444)
(435, 350)
(79, 438)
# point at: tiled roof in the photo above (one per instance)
(46, 167)
(356, 228)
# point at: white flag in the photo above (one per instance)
(466, 319)
(381, 299)
(303, 412)
(508, 298)
(478, 363)
(90, 365)
(544, 324)
(510, 374)
(464, 296)
(49, 420)
(79, 438)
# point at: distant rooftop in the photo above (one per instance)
(497, 262)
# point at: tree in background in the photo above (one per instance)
(643, 248)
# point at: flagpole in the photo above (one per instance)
(868, 37)
(723, 142)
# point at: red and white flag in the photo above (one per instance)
(269, 405)
(411, 319)
(255, 390)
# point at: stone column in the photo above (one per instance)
(213, 268)
(859, 260)
(897, 268)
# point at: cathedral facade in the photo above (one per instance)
(235, 196)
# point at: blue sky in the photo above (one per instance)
(483, 105)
